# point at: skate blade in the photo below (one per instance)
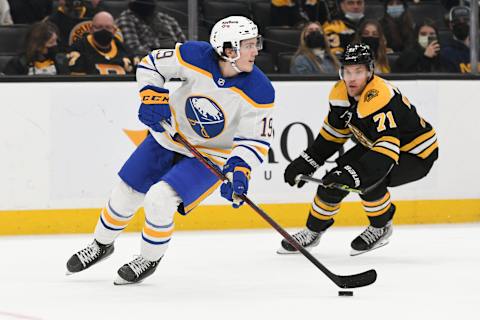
(354, 252)
(282, 250)
(119, 281)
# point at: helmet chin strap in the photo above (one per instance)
(234, 66)
(233, 61)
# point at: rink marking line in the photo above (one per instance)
(18, 316)
(217, 217)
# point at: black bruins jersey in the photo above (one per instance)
(383, 121)
(86, 58)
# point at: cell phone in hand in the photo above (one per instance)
(432, 38)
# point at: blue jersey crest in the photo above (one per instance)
(205, 116)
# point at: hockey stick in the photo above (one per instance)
(338, 186)
(343, 186)
(350, 281)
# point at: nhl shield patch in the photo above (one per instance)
(205, 116)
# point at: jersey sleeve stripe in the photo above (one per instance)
(428, 151)
(424, 145)
(254, 140)
(418, 140)
(327, 136)
(386, 152)
(388, 145)
(345, 131)
(252, 150)
(390, 139)
(334, 132)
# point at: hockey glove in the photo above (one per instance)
(154, 107)
(238, 172)
(346, 175)
(302, 165)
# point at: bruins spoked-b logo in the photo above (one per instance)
(370, 95)
(205, 116)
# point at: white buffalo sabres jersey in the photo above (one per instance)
(221, 117)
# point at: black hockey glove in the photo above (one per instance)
(343, 176)
(302, 165)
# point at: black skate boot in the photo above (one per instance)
(87, 257)
(374, 236)
(371, 238)
(305, 237)
(136, 270)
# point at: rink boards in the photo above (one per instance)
(62, 144)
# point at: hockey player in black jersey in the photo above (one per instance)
(394, 146)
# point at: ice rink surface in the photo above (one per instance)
(426, 272)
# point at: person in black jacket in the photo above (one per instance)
(456, 53)
(41, 56)
(423, 55)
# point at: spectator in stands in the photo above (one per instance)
(398, 25)
(370, 32)
(5, 17)
(285, 13)
(294, 12)
(341, 29)
(313, 55)
(41, 55)
(100, 52)
(145, 29)
(424, 54)
(69, 16)
(456, 53)
(29, 11)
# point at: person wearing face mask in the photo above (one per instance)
(313, 55)
(398, 25)
(41, 56)
(370, 32)
(456, 53)
(340, 30)
(69, 15)
(424, 54)
(144, 28)
(100, 52)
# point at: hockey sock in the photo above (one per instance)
(120, 209)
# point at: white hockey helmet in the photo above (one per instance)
(230, 31)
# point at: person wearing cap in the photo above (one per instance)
(456, 53)
(394, 146)
(145, 28)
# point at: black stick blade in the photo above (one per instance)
(357, 280)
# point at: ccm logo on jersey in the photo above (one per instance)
(205, 117)
(152, 97)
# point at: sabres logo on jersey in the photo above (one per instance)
(205, 116)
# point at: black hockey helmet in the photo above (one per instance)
(357, 53)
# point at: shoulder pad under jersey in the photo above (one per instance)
(376, 95)
(338, 95)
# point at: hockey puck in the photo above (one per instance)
(345, 293)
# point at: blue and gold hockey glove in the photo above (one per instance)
(238, 172)
(347, 176)
(154, 107)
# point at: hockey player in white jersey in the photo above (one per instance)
(221, 108)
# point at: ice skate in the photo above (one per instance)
(372, 238)
(136, 270)
(87, 257)
(307, 238)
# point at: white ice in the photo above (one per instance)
(426, 272)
